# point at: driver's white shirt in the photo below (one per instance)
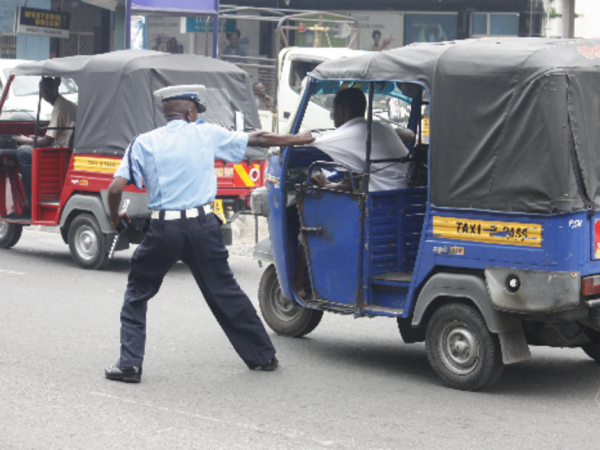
(348, 145)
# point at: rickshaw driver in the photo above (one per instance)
(64, 114)
(182, 226)
(346, 144)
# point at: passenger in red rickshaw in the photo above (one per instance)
(62, 120)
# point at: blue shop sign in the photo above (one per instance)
(198, 25)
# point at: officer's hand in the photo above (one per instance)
(115, 220)
(305, 137)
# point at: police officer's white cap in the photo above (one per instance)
(182, 92)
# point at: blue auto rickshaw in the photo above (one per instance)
(494, 247)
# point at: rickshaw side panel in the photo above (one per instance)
(331, 224)
(283, 220)
(561, 253)
(48, 175)
(394, 224)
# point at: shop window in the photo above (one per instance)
(494, 24)
(8, 46)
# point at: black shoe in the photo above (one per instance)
(127, 374)
(269, 366)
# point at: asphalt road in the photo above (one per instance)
(351, 384)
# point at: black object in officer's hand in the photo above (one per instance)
(123, 225)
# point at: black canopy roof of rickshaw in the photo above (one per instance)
(515, 122)
(116, 100)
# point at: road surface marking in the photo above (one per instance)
(12, 273)
(260, 429)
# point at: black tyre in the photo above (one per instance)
(593, 351)
(284, 316)
(10, 233)
(461, 349)
(87, 243)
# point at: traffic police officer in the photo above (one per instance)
(176, 163)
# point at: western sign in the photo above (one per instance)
(42, 22)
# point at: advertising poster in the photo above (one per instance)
(138, 32)
(379, 30)
(429, 27)
(239, 38)
(305, 37)
(164, 34)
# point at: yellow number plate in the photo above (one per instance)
(217, 208)
(487, 231)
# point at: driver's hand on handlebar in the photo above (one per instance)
(114, 221)
(22, 139)
(320, 179)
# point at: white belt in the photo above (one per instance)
(189, 213)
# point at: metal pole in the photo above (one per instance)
(568, 18)
(216, 23)
(530, 16)
(37, 120)
(192, 43)
(364, 185)
(127, 24)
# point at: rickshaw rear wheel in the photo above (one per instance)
(284, 316)
(87, 243)
(593, 351)
(10, 233)
(461, 349)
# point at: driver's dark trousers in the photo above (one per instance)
(199, 244)
(24, 157)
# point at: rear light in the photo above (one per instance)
(597, 239)
(590, 285)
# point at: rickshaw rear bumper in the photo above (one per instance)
(533, 291)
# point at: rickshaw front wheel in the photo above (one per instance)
(87, 242)
(10, 233)
(284, 316)
(461, 349)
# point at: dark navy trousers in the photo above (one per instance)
(25, 157)
(197, 242)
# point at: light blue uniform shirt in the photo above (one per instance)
(177, 165)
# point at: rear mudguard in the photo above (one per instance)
(88, 203)
(443, 287)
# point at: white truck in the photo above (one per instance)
(294, 63)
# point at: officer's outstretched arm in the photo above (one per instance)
(115, 191)
(266, 139)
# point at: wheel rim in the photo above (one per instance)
(459, 348)
(4, 227)
(86, 243)
(285, 310)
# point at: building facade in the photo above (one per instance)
(90, 31)
(97, 26)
